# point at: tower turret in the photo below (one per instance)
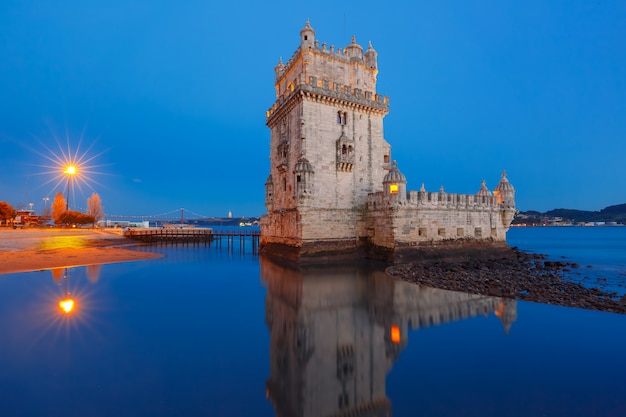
(505, 194)
(307, 36)
(484, 191)
(394, 184)
(304, 177)
(371, 57)
(279, 69)
(269, 193)
(354, 51)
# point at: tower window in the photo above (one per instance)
(386, 159)
(342, 118)
(393, 188)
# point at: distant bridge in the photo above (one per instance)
(180, 216)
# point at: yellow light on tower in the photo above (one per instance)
(393, 188)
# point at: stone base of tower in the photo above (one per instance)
(313, 235)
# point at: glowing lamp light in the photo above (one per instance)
(395, 334)
(67, 305)
(70, 170)
(393, 188)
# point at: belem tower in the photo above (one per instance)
(333, 187)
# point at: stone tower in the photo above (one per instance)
(332, 189)
(327, 150)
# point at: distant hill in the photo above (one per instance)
(609, 214)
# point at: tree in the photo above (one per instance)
(58, 207)
(94, 207)
(6, 212)
(75, 217)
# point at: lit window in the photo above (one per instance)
(395, 333)
(393, 188)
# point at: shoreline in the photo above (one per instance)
(27, 250)
(524, 276)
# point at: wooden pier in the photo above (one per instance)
(193, 236)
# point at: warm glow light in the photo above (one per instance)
(496, 193)
(393, 188)
(67, 305)
(70, 170)
(395, 334)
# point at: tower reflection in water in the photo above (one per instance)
(335, 332)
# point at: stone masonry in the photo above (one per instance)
(333, 189)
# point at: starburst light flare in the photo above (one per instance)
(70, 168)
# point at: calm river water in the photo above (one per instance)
(218, 331)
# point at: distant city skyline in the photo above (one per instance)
(171, 99)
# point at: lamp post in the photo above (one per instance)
(45, 205)
(70, 171)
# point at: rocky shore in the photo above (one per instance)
(523, 276)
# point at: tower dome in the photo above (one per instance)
(484, 191)
(504, 185)
(303, 165)
(394, 175)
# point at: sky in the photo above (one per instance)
(166, 100)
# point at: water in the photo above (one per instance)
(221, 332)
(599, 251)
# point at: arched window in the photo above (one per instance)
(342, 118)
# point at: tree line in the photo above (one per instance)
(59, 215)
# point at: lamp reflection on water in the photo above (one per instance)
(67, 304)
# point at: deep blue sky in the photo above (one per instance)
(174, 94)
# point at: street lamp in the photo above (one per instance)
(45, 205)
(70, 171)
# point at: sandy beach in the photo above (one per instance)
(23, 250)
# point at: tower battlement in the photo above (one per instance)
(332, 92)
